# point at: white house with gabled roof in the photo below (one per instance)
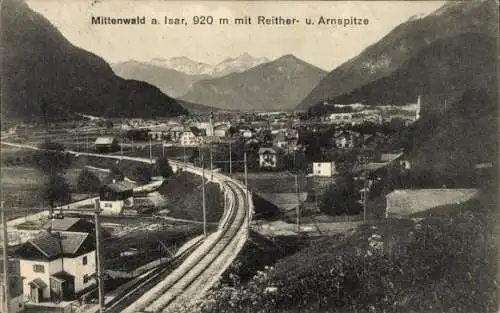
(57, 266)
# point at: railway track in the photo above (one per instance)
(163, 290)
(200, 270)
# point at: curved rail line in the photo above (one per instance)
(200, 269)
(189, 285)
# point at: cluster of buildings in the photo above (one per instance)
(355, 114)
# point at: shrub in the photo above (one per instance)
(341, 197)
(143, 174)
(88, 182)
(162, 167)
(57, 191)
(116, 174)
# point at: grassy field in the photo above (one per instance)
(282, 182)
(22, 186)
(184, 195)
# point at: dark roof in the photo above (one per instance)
(38, 283)
(63, 224)
(121, 186)
(267, 150)
(62, 276)
(53, 245)
(195, 130)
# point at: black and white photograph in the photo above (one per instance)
(268, 156)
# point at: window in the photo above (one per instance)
(37, 268)
(84, 260)
(86, 278)
(108, 205)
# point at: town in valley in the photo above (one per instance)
(250, 184)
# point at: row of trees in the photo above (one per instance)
(88, 182)
(53, 164)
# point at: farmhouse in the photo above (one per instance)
(267, 158)
(404, 202)
(57, 266)
(106, 144)
(114, 197)
(324, 169)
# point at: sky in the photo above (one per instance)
(326, 46)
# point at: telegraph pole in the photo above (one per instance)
(246, 170)
(211, 158)
(203, 197)
(364, 193)
(230, 161)
(121, 147)
(100, 276)
(87, 143)
(150, 152)
(184, 150)
(5, 247)
(298, 202)
(246, 189)
(163, 148)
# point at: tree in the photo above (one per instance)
(475, 102)
(52, 162)
(143, 174)
(265, 136)
(116, 174)
(231, 131)
(109, 124)
(57, 191)
(162, 167)
(88, 182)
(341, 197)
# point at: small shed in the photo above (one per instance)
(106, 144)
(114, 197)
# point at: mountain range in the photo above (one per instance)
(404, 42)
(275, 85)
(228, 66)
(43, 74)
(169, 81)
